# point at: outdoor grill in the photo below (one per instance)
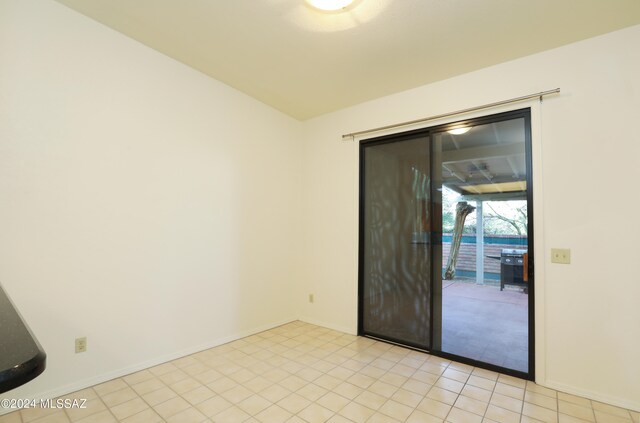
(512, 267)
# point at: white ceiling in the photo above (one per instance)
(307, 63)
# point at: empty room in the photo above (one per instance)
(319, 211)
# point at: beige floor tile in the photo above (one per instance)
(486, 374)
(564, 418)
(361, 381)
(571, 409)
(372, 372)
(254, 404)
(118, 397)
(57, 416)
(403, 370)
(129, 408)
(602, 417)
(356, 412)
(186, 385)
(457, 415)
(162, 369)
(461, 367)
(293, 383)
(218, 386)
(421, 417)
(146, 416)
(171, 407)
(501, 415)
(275, 375)
(476, 393)
(241, 376)
(574, 399)
(433, 368)
(510, 391)
(198, 368)
(407, 398)
(92, 406)
(312, 392)
(433, 407)
(213, 406)
(147, 386)
(190, 415)
(13, 417)
(274, 393)
(138, 377)
(211, 376)
(257, 384)
(309, 374)
(425, 377)
(539, 413)
(231, 415)
(393, 379)
(294, 403)
(481, 382)
(316, 414)
(337, 418)
(198, 395)
(333, 401)
(173, 377)
(396, 410)
(527, 419)
(456, 375)
(159, 396)
(538, 389)
(88, 393)
(541, 400)
(417, 387)
(237, 394)
(513, 381)
(348, 390)
(382, 418)
(506, 402)
(101, 417)
(610, 409)
(635, 416)
(471, 405)
(370, 400)
(273, 414)
(110, 386)
(383, 388)
(442, 395)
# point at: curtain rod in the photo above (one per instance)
(541, 94)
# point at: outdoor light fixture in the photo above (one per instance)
(459, 131)
(329, 5)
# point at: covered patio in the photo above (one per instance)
(483, 323)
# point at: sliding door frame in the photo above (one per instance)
(436, 237)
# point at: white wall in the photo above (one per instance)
(586, 150)
(142, 204)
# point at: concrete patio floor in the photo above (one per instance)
(486, 324)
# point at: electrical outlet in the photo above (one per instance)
(561, 255)
(311, 299)
(81, 344)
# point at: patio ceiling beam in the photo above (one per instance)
(468, 154)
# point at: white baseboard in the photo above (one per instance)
(596, 396)
(328, 325)
(86, 383)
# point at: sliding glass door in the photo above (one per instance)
(446, 261)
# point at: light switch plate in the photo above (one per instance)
(561, 255)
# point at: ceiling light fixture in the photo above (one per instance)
(459, 131)
(329, 5)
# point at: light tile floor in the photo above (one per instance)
(304, 373)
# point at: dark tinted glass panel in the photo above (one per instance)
(396, 248)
